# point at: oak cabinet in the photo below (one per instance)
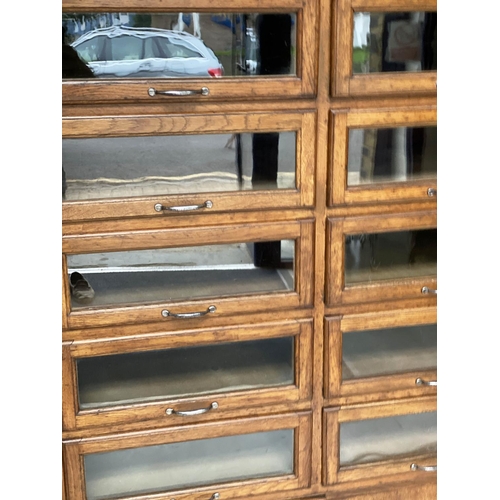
(249, 249)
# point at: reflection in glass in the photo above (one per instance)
(171, 274)
(166, 165)
(179, 45)
(188, 464)
(389, 256)
(388, 438)
(378, 155)
(182, 372)
(390, 350)
(395, 41)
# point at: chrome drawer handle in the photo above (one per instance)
(426, 289)
(425, 468)
(165, 313)
(420, 381)
(183, 208)
(190, 413)
(431, 192)
(203, 91)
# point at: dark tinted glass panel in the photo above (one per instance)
(379, 155)
(389, 256)
(182, 372)
(167, 467)
(390, 350)
(395, 41)
(388, 438)
(178, 45)
(163, 165)
(143, 276)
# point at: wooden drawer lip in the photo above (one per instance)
(338, 293)
(334, 416)
(301, 422)
(345, 83)
(339, 193)
(303, 123)
(303, 84)
(228, 401)
(302, 231)
(395, 385)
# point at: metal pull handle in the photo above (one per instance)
(190, 413)
(183, 208)
(425, 468)
(426, 289)
(165, 313)
(203, 91)
(431, 192)
(420, 381)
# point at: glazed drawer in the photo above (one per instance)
(231, 459)
(381, 156)
(381, 355)
(186, 377)
(162, 166)
(173, 274)
(379, 258)
(384, 47)
(369, 441)
(224, 51)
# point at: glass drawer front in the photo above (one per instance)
(394, 42)
(389, 256)
(121, 167)
(188, 464)
(178, 45)
(402, 154)
(391, 350)
(182, 372)
(143, 276)
(380, 439)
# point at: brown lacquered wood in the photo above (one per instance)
(396, 385)
(321, 103)
(337, 292)
(344, 83)
(333, 417)
(302, 123)
(300, 422)
(228, 401)
(123, 91)
(301, 231)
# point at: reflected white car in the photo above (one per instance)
(121, 51)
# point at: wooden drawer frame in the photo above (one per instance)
(301, 422)
(230, 401)
(333, 417)
(303, 123)
(397, 385)
(337, 293)
(304, 84)
(341, 122)
(343, 82)
(300, 230)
